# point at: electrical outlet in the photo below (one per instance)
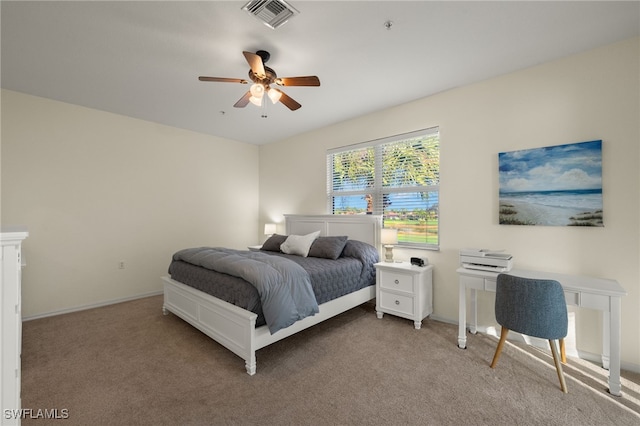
(121, 264)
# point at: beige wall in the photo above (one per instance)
(95, 189)
(590, 96)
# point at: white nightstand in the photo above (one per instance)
(404, 290)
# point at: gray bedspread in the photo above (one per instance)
(284, 286)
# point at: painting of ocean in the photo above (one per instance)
(552, 186)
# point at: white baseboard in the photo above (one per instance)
(90, 306)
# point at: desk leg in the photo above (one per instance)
(462, 316)
(615, 323)
(474, 311)
(606, 338)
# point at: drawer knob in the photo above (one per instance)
(397, 282)
(397, 302)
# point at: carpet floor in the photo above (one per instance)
(127, 364)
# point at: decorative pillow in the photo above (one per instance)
(328, 247)
(299, 244)
(273, 243)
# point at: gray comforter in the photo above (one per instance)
(283, 285)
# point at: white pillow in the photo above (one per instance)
(299, 244)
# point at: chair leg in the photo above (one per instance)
(556, 360)
(563, 352)
(503, 336)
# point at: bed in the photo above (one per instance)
(238, 329)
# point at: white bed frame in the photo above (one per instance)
(234, 327)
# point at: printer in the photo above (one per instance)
(486, 260)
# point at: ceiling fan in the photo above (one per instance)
(262, 77)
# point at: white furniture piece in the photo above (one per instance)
(10, 323)
(235, 328)
(404, 290)
(587, 292)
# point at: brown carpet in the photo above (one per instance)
(127, 364)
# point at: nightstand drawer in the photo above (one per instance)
(395, 281)
(396, 302)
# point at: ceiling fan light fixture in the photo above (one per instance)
(257, 90)
(274, 95)
(255, 101)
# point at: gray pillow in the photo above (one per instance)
(328, 247)
(273, 243)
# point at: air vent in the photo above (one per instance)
(273, 13)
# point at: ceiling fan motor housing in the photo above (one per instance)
(270, 76)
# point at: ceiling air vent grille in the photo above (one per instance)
(273, 13)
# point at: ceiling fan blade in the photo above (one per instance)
(255, 62)
(243, 101)
(289, 102)
(309, 80)
(224, 80)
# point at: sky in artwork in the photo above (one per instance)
(575, 166)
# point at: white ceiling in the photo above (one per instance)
(142, 59)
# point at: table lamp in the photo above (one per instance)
(269, 229)
(389, 238)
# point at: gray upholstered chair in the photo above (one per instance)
(535, 308)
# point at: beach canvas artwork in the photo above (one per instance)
(552, 186)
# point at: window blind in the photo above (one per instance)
(397, 177)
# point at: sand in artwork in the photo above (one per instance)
(552, 210)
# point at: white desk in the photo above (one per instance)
(586, 292)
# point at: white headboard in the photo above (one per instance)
(363, 227)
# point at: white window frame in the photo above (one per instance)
(377, 189)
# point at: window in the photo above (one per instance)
(397, 177)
